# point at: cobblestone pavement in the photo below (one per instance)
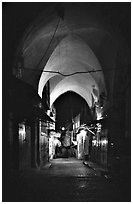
(66, 180)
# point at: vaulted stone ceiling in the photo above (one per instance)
(72, 55)
(81, 41)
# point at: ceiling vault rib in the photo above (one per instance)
(80, 72)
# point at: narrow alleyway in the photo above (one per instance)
(65, 180)
(66, 77)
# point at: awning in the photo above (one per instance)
(102, 121)
(25, 101)
(23, 94)
(41, 114)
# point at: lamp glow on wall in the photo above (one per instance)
(22, 132)
(19, 66)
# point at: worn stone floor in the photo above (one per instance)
(66, 180)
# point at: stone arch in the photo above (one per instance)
(78, 84)
(71, 55)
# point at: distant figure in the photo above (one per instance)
(65, 140)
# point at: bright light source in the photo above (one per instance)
(83, 132)
(94, 142)
(63, 128)
(22, 132)
(104, 142)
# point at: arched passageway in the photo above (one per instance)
(68, 106)
(71, 111)
(67, 53)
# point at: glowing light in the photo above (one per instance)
(104, 142)
(82, 186)
(63, 128)
(48, 112)
(57, 142)
(73, 126)
(83, 132)
(22, 132)
(94, 142)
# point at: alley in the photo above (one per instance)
(66, 115)
(65, 180)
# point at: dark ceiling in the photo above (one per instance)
(16, 17)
